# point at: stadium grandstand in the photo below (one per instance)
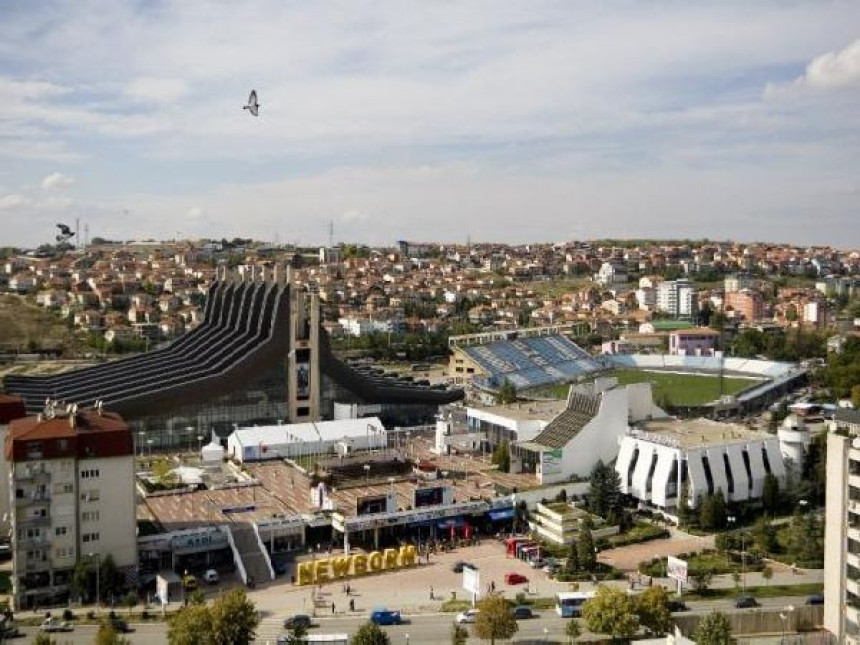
(260, 356)
(528, 358)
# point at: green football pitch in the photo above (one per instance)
(680, 389)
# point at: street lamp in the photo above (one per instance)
(407, 639)
(731, 519)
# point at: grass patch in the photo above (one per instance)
(640, 532)
(681, 389)
(456, 606)
(761, 591)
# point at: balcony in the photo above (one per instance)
(854, 481)
(854, 534)
(35, 566)
(33, 498)
(854, 506)
(33, 520)
(853, 587)
(853, 560)
(32, 475)
(29, 542)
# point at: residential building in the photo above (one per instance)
(71, 497)
(611, 273)
(658, 458)
(677, 298)
(842, 529)
(561, 523)
(699, 341)
(747, 304)
(737, 282)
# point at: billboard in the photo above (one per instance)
(550, 462)
(371, 504)
(677, 569)
(472, 581)
(433, 496)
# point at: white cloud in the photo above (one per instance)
(57, 180)
(156, 90)
(354, 215)
(195, 213)
(8, 202)
(833, 70)
(56, 203)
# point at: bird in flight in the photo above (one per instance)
(253, 107)
(65, 230)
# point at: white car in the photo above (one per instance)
(211, 577)
(467, 616)
(54, 624)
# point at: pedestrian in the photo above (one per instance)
(431, 594)
(332, 607)
(352, 604)
(348, 589)
(493, 586)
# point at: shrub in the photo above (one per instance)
(68, 614)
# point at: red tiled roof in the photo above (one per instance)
(92, 435)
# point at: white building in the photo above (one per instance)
(677, 298)
(842, 529)
(298, 440)
(595, 418)
(72, 499)
(611, 273)
(657, 458)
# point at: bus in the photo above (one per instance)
(568, 604)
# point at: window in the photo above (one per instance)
(90, 537)
(61, 530)
(90, 516)
(34, 450)
(63, 488)
(90, 496)
(729, 474)
(62, 444)
(90, 473)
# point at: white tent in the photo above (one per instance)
(212, 452)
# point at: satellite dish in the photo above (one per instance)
(253, 106)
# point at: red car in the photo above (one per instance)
(515, 579)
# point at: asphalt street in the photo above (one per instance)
(421, 628)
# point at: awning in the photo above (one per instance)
(451, 521)
(504, 514)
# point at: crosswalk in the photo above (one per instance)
(268, 631)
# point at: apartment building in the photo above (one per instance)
(842, 529)
(71, 498)
(677, 298)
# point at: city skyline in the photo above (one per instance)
(537, 123)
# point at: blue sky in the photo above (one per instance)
(515, 121)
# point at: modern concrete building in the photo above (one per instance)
(657, 458)
(677, 298)
(72, 498)
(699, 341)
(561, 522)
(842, 529)
(587, 430)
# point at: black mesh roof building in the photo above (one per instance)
(230, 370)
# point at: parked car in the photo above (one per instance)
(815, 599)
(537, 563)
(515, 579)
(211, 577)
(677, 605)
(467, 616)
(120, 625)
(189, 582)
(54, 624)
(552, 568)
(299, 620)
(745, 602)
(280, 567)
(382, 616)
(458, 566)
(522, 612)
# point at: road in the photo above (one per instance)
(421, 628)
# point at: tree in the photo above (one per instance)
(192, 625)
(767, 573)
(81, 579)
(604, 491)
(507, 393)
(713, 629)
(370, 634)
(585, 545)
(611, 611)
(502, 457)
(234, 618)
(764, 535)
(571, 565)
(130, 600)
(107, 636)
(110, 579)
(197, 597)
(770, 494)
(459, 634)
(652, 607)
(573, 630)
(494, 620)
(701, 578)
(855, 396)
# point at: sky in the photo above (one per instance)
(518, 121)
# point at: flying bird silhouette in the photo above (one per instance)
(65, 230)
(253, 107)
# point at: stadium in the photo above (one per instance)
(259, 356)
(541, 362)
